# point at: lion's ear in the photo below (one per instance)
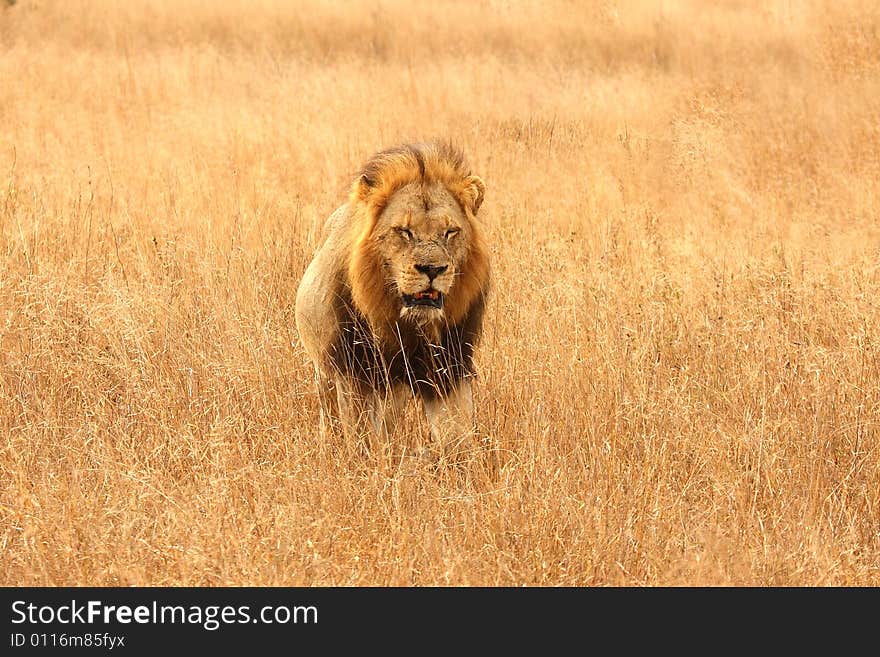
(472, 193)
(363, 187)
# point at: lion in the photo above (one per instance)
(391, 307)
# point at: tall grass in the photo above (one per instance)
(680, 366)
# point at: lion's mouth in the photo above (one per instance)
(431, 298)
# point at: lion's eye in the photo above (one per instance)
(405, 233)
(452, 232)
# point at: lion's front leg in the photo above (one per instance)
(330, 424)
(384, 408)
(451, 418)
(369, 416)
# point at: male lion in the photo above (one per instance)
(391, 306)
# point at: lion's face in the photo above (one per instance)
(417, 252)
(422, 239)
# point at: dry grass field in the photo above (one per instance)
(679, 382)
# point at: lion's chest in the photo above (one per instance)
(427, 368)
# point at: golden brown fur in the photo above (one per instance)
(409, 229)
(384, 174)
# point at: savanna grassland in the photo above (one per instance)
(679, 379)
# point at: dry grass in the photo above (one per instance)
(681, 361)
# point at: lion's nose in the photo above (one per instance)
(432, 271)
